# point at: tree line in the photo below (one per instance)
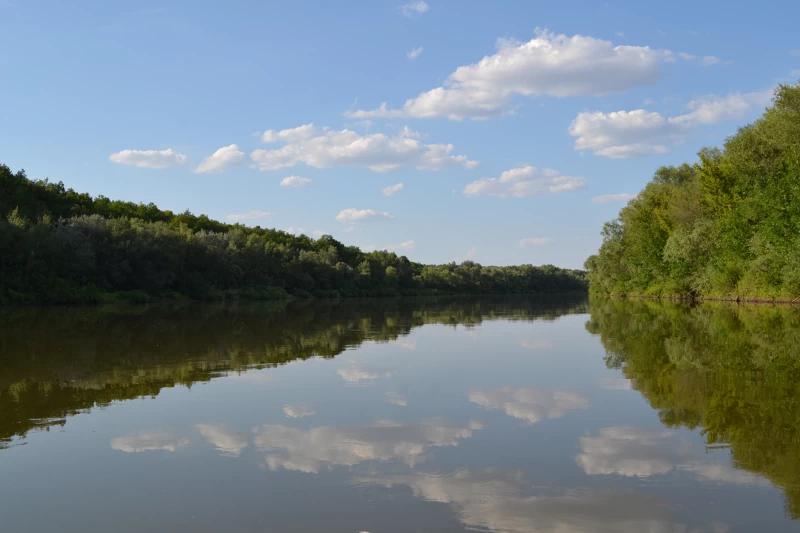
(61, 246)
(727, 226)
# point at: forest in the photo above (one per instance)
(61, 246)
(726, 227)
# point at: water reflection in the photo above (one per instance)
(322, 448)
(530, 405)
(497, 501)
(155, 440)
(58, 362)
(729, 371)
(226, 441)
(638, 416)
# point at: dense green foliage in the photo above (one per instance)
(56, 361)
(62, 246)
(727, 227)
(731, 371)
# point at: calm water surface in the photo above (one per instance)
(512, 415)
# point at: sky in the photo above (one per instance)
(445, 130)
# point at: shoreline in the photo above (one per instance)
(693, 299)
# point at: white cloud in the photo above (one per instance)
(418, 7)
(524, 181)
(415, 53)
(630, 451)
(403, 246)
(396, 398)
(619, 34)
(148, 441)
(295, 181)
(224, 158)
(625, 134)
(353, 216)
(355, 374)
(249, 217)
(794, 53)
(548, 64)
(644, 452)
(493, 500)
(530, 405)
(536, 241)
(391, 190)
(346, 148)
(713, 109)
(299, 410)
(607, 198)
(322, 448)
(705, 61)
(300, 133)
(224, 440)
(149, 158)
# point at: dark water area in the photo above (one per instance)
(524, 414)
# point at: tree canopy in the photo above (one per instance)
(62, 246)
(726, 227)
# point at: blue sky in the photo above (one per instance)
(516, 128)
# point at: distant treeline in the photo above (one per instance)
(60, 246)
(726, 227)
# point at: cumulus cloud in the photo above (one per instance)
(396, 398)
(626, 134)
(644, 452)
(417, 7)
(325, 447)
(524, 181)
(148, 441)
(607, 198)
(535, 241)
(300, 133)
(415, 53)
(492, 500)
(252, 216)
(295, 181)
(227, 442)
(299, 410)
(149, 158)
(224, 158)
(530, 405)
(549, 64)
(345, 148)
(354, 374)
(353, 216)
(391, 190)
